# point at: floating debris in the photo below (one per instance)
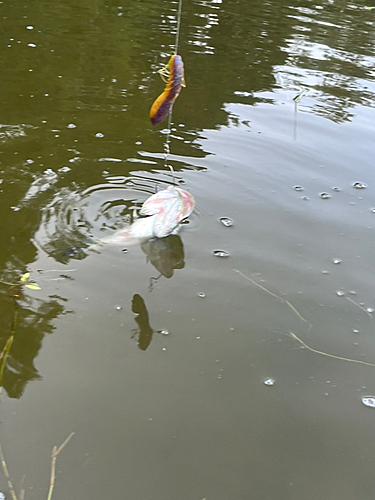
(226, 221)
(340, 293)
(299, 96)
(201, 295)
(269, 381)
(71, 125)
(99, 134)
(220, 253)
(369, 401)
(359, 185)
(337, 189)
(324, 196)
(163, 332)
(298, 188)
(337, 261)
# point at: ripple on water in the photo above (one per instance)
(75, 220)
(226, 221)
(269, 381)
(220, 253)
(369, 401)
(359, 185)
(325, 196)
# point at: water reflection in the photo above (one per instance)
(165, 254)
(25, 322)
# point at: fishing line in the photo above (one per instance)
(167, 137)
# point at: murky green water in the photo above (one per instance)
(156, 357)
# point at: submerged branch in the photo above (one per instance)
(55, 452)
(289, 304)
(341, 358)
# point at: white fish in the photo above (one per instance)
(163, 210)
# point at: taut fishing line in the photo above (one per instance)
(167, 137)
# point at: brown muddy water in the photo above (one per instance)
(178, 374)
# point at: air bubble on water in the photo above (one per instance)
(370, 309)
(138, 143)
(269, 381)
(29, 161)
(124, 250)
(337, 261)
(359, 185)
(337, 189)
(31, 45)
(29, 27)
(201, 294)
(325, 272)
(298, 188)
(352, 292)
(325, 196)
(163, 332)
(226, 221)
(369, 401)
(220, 253)
(99, 134)
(118, 308)
(355, 331)
(71, 125)
(340, 293)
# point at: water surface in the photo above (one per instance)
(156, 355)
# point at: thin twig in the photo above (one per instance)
(55, 452)
(294, 336)
(7, 476)
(359, 305)
(289, 304)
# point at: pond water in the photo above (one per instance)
(237, 358)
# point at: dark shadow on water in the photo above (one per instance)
(144, 331)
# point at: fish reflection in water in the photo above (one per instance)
(165, 254)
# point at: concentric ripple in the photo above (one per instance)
(74, 220)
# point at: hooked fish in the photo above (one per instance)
(163, 213)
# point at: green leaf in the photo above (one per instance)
(25, 277)
(33, 286)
